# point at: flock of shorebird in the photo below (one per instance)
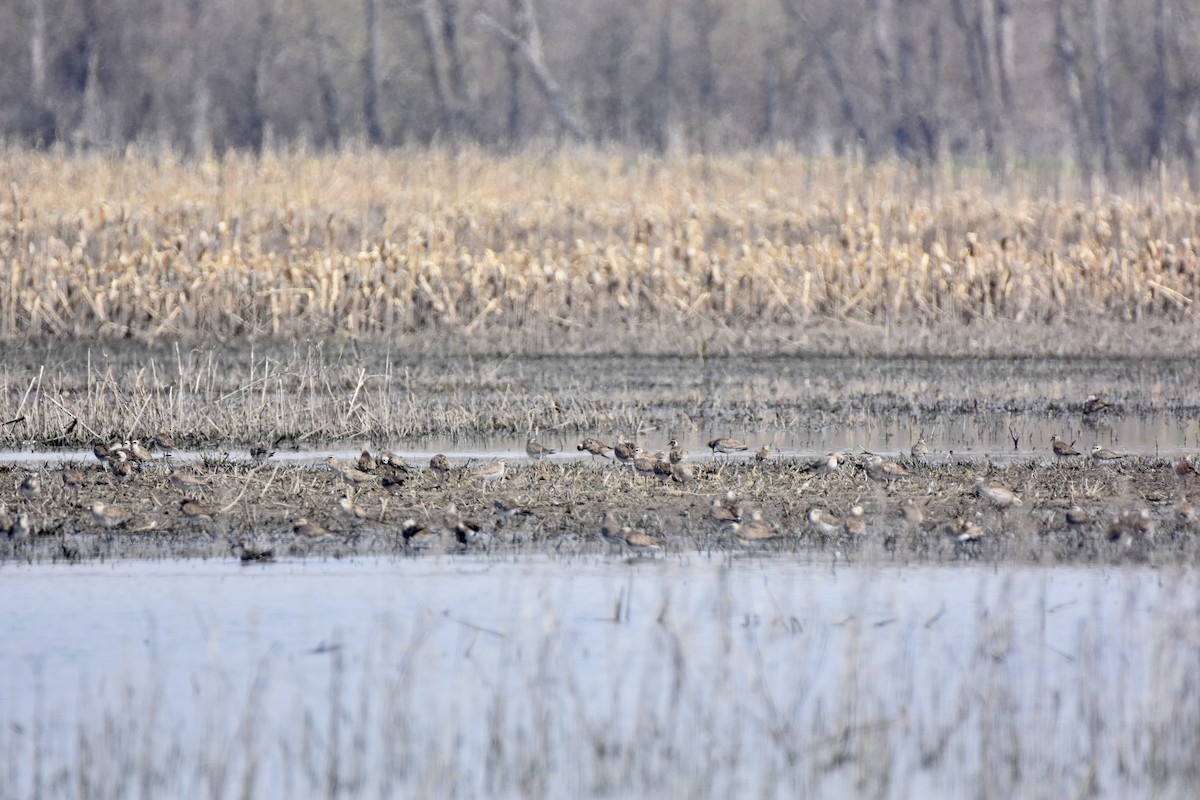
(388, 470)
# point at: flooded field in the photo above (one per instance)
(592, 676)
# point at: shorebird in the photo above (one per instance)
(676, 454)
(1062, 449)
(1077, 518)
(187, 484)
(508, 507)
(683, 473)
(1186, 467)
(248, 553)
(639, 541)
(880, 469)
(72, 478)
(595, 447)
(998, 496)
(109, 516)
(610, 535)
(397, 463)
(855, 523)
(261, 451)
(464, 530)
(138, 452)
(490, 473)
(764, 454)
(727, 446)
(644, 462)
(165, 443)
(101, 451)
(350, 508)
(121, 470)
(826, 464)
(912, 511)
(624, 450)
(194, 510)
(964, 530)
(19, 529)
(536, 450)
(367, 462)
(310, 530)
(822, 523)
(417, 536)
(350, 473)
(1131, 525)
(31, 487)
(1103, 454)
(920, 450)
(439, 463)
(754, 530)
(1185, 512)
(1093, 405)
(726, 509)
(663, 466)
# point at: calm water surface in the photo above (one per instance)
(594, 676)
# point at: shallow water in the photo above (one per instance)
(595, 676)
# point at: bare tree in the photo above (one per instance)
(325, 86)
(200, 139)
(370, 72)
(1068, 55)
(527, 39)
(1098, 10)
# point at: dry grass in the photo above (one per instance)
(371, 244)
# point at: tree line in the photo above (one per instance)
(1112, 84)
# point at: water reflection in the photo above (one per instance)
(598, 677)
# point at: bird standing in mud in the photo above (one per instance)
(536, 450)
(1102, 454)
(998, 496)
(727, 446)
(1063, 449)
(595, 447)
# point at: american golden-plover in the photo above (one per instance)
(102, 451)
(306, 528)
(683, 473)
(417, 536)
(625, 450)
(881, 469)
(350, 509)
(439, 463)
(249, 553)
(367, 462)
(1077, 518)
(639, 541)
(823, 523)
(121, 470)
(727, 446)
(726, 509)
(31, 487)
(509, 508)
(963, 530)
(109, 516)
(912, 512)
(1063, 449)
(187, 483)
(536, 450)
(920, 449)
(465, 531)
(1104, 454)
(825, 465)
(164, 443)
(72, 479)
(754, 530)
(350, 473)
(644, 461)
(492, 472)
(764, 454)
(1093, 405)
(260, 451)
(195, 510)
(138, 452)
(1131, 526)
(999, 496)
(855, 523)
(595, 447)
(676, 454)
(20, 528)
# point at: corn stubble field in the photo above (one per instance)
(388, 300)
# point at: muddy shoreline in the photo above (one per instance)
(561, 506)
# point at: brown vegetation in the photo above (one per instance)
(372, 245)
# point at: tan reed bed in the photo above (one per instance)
(371, 244)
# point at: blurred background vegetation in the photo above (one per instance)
(1111, 86)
